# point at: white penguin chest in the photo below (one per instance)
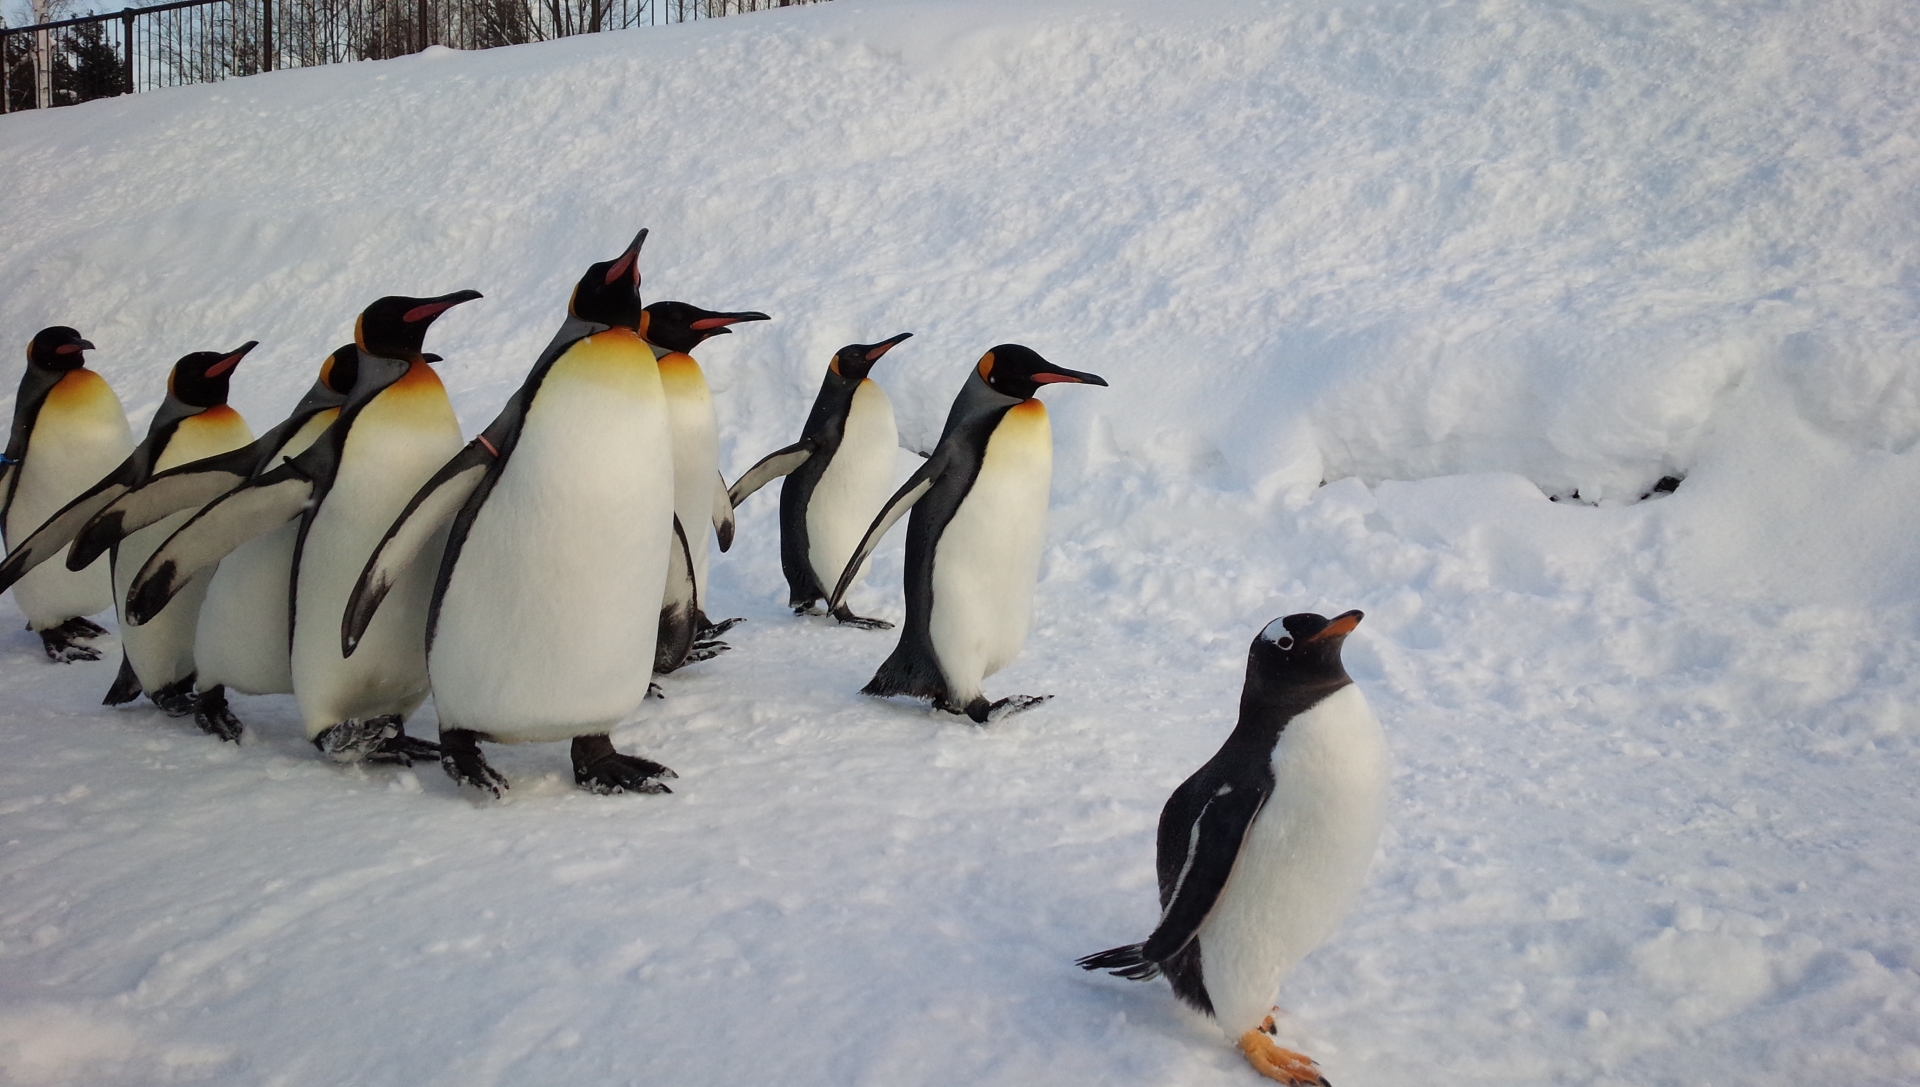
(856, 483)
(986, 560)
(396, 443)
(696, 452)
(79, 436)
(1304, 860)
(549, 605)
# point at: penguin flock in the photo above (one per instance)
(361, 557)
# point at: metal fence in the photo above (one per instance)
(200, 41)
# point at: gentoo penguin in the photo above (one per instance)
(193, 421)
(562, 513)
(838, 475)
(68, 431)
(1264, 849)
(673, 330)
(395, 430)
(973, 544)
(242, 636)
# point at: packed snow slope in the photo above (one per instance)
(1654, 816)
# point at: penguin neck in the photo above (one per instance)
(572, 330)
(35, 385)
(166, 419)
(376, 372)
(317, 399)
(1268, 703)
(977, 400)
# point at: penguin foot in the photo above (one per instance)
(66, 643)
(654, 691)
(210, 712)
(710, 631)
(598, 768)
(1275, 1063)
(126, 685)
(848, 619)
(984, 712)
(461, 758)
(377, 739)
(176, 699)
(705, 651)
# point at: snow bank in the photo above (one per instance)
(1654, 820)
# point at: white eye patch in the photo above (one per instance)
(1276, 632)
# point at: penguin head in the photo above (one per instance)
(1299, 650)
(57, 349)
(854, 360)
(395, 327)
(677, 326)
(341, 369)
(1016, 371)
(200, 379)
(609, 294)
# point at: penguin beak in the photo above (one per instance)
(628, 259)
(74, 348)
(1341, 626)
(232, 360)
(431, 357)
(716, 324)
(884, 346)
(1058, 375)
(434, 307)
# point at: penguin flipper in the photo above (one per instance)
(241, 514)
(913, 490)
(60, 529)
(432, 505)
(723, 514)
(1212, 847)
(673, 645)
(171, 491)
(778, 463)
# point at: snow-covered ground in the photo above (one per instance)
(1655, 818)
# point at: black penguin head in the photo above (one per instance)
(677, 326)
(609, 294)
(1017, 371)
(1297, 653)
(200, 379)
(395, 327)
(57, 349)
(854, 360)
(341, 369)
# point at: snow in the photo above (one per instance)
(1653, 819)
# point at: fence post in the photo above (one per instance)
(126, 51)
(266, 35)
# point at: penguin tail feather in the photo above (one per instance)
(126, 685)
(1126, 962)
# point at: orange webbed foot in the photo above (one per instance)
(1275, 1063)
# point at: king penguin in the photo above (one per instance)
(673, 330)
(1264, 849)
(241, 639)
(837, 477)
(193, 421)
(562, 513)
(973, 544)
(394, 431)
(68, 430)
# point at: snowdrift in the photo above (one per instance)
(1653, 822)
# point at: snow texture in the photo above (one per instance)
(1653, 817)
